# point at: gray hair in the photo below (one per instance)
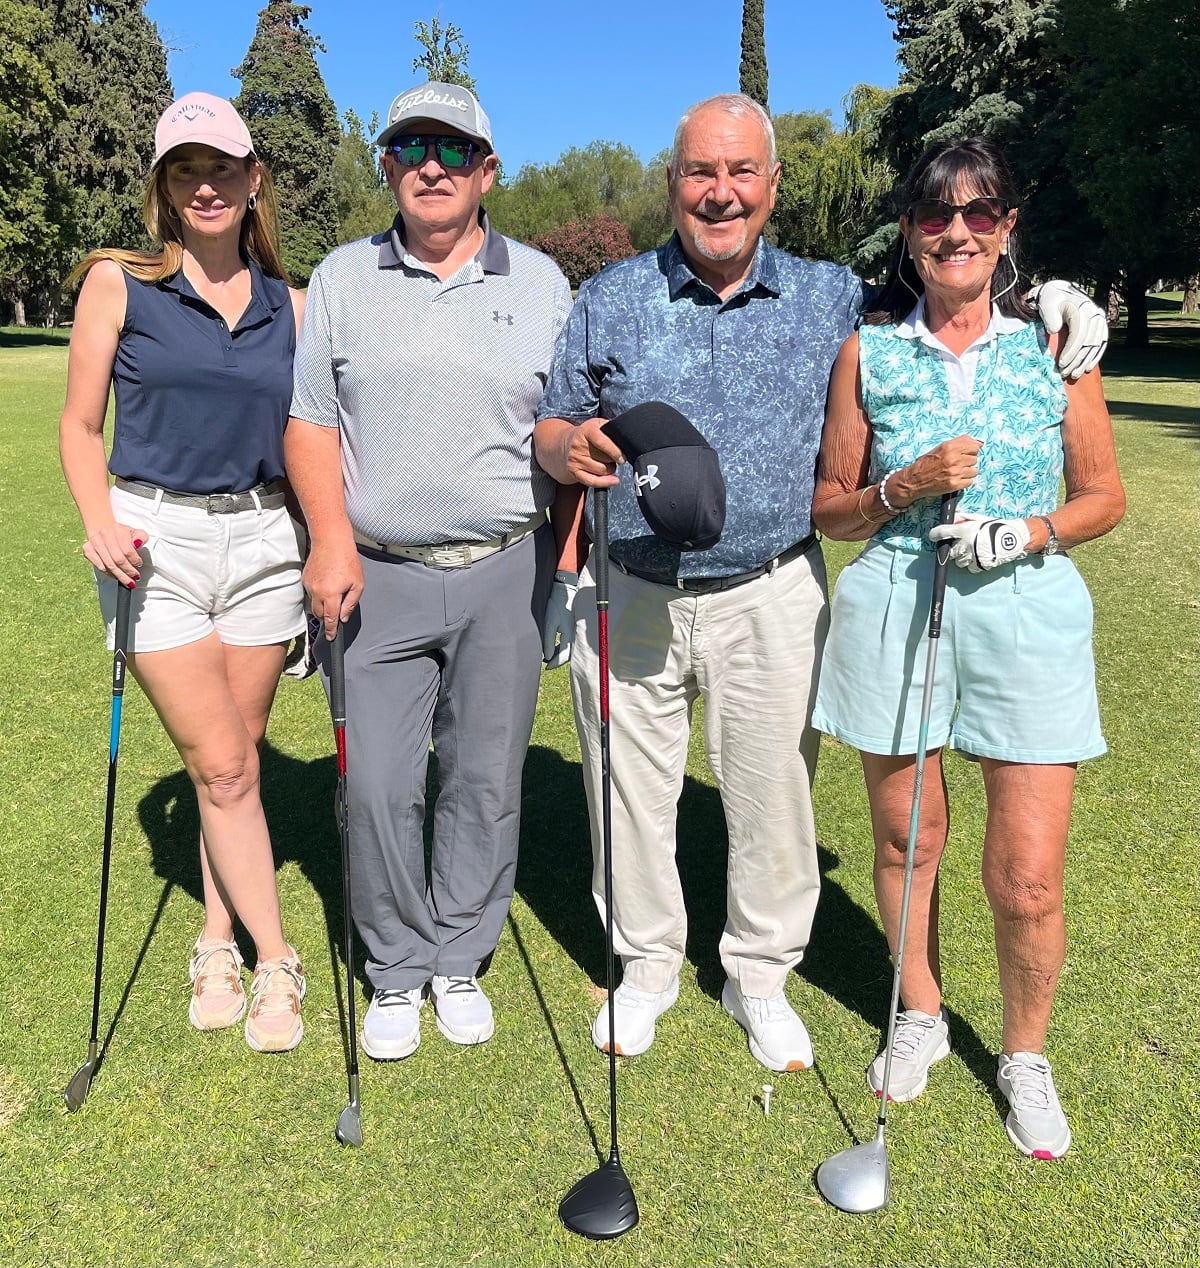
(736, 104)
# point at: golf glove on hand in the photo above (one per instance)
(1087, 329)
(980, 543)
(559, 625)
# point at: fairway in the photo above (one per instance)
(193, 1150)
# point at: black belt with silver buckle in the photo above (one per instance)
(712, 585)
(268, 497)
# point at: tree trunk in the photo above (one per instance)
(18, 310)
(1191, 294)
(1137, 329)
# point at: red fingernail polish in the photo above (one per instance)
(137, 541)
(131, 585)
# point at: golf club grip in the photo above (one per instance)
(121, 646)
(337, 678)
(600, 541)
(949, 505)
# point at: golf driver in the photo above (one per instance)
(77, 1090)
(856, 1179)
(602, 1204)
(348, 1128)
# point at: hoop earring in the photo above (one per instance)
(900, 267)
(1015, 277)
(171, 213)
(252, 202)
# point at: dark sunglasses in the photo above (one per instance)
(980, 215)
(450, 151)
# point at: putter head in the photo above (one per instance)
(601, 1205)
(77, 1090)
(856, 1179)
(348, 1128)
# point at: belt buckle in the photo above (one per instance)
(221, 503)
(449, 555)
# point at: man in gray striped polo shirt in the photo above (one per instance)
(421, 360)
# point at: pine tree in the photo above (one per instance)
(295, 129)
(444, 60)
(752, 73)
(364, 203)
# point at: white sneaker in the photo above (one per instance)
(1035, 1122)
(462, 1010)
(634, 1015)
(778, 1038)
(919, 1041)
(392, 1027)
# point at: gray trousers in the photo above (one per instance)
(454, 656)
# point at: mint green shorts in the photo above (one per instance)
(1014, 679)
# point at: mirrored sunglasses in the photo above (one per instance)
(980, 215)
(450, 151)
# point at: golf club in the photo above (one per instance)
(348, 1128)
(77, 1090)
(856, 1179)
(602, 1204)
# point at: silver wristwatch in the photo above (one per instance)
(1051, 547)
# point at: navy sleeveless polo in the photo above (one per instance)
(201, 408)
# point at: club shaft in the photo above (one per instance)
(120, 653)
(337, 708)
(936, 601)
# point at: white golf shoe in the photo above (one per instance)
(392, 1027)
(919, 1041)
(1035, 1122)
(634, 1015)
(463, 1012)
(777, 1037)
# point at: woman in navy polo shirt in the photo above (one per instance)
(197, 339)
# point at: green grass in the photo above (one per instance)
(193, 1150)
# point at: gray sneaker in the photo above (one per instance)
(919, 1041)
(1035, 1122)
(462, 1010)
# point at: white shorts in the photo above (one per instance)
(238, 574)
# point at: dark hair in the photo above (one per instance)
(977, 163)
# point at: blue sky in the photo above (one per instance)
(558, 73)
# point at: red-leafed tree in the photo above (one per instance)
(582, 247)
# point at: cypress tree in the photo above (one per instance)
(752, 73)
(295, 129)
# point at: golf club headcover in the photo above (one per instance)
(981, 543)
(676, 474)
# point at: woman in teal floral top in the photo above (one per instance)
(950, 385)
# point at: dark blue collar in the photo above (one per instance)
(680, 275)
(492, 256)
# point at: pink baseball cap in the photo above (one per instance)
(202, 119)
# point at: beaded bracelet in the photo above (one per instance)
(883, 497)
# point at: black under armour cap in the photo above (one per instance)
(677, 474)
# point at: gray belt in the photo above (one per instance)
(453, 554)
(267, 497)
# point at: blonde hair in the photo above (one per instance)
(259, 240)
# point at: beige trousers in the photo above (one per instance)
(751, 653)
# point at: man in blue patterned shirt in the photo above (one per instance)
(739, 337)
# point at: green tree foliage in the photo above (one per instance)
(1086, 100)
(364, 203)
(830, 178)
(602, 179)
(444, 56)
(110, 69)
(29, 105)
(582, 247)
(295, 129)
(752, 71)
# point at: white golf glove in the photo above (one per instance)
(1087, 329)
(559, 625)
(980, 543)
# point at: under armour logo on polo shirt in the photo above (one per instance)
(497, 315)
(650, 478)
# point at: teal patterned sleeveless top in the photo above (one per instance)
(1016, 410)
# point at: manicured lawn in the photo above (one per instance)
(191, 1149)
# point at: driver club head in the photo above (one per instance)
(601, 1205)
(856, 1179)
